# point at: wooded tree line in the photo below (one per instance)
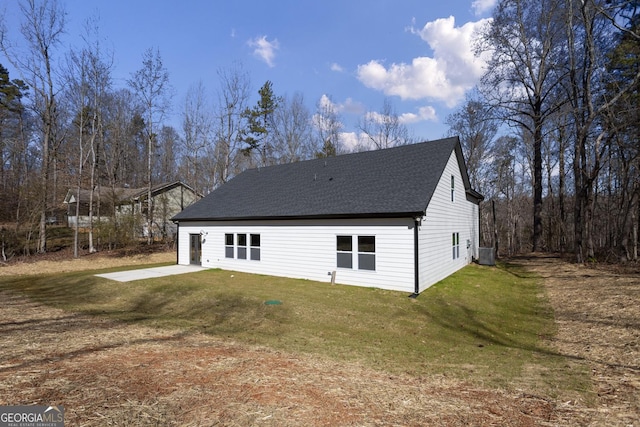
(65, 125)
(550, 134)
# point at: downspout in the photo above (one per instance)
(416, 267)
(177, 243)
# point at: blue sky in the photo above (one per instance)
(355, 53)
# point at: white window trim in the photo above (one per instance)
(355, 253)
(453, 188)
(247, 247)
(344, 252)
(455, 240)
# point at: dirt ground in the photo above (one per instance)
(597, 312)
(113, 374)
(63, 261)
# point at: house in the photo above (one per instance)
(122, 202)
(401, 218)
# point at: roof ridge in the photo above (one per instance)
(397, 181)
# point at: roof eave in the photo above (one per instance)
(474, 196)
(376, 215)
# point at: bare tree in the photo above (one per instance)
(327, 124)
(474, 123)
(509, 197)
(589, 26)
(78, 93)
(197, 128)
(384, 129)
(124, 143)
(151, 85)
(168, 150)
(292, 130)
(89, 82)
(526, 40)
(41, 29)
(233, 97)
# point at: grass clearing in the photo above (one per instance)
(484, 325)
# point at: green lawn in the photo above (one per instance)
(485, 325)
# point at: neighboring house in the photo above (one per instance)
(402, 218)
(168, 199)
(102, 208)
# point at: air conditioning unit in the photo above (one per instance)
(487, 256)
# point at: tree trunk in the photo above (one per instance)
(91, 193)
(495, 227)
(551, 208)
(537, 184)
(629, 240)
(578, 209)
(561, 177)
(635, 238)
(149, 204)
(44, 185)
(75, 227)
(589, 221)
(92, 248)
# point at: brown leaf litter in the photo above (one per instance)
(108, 373)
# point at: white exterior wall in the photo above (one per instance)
(443, 218)
(307, 249)
(83, 220)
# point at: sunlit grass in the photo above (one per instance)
(485, 325)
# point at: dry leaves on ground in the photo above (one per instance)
(597, 312)
(106, 373)
(64, 263)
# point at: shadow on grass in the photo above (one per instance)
(48, 344)
(465, 322)
(69, 355)
(478, 322)
(215, 313)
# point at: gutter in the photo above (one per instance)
(177, 243)
(416, 258)
(418, 215)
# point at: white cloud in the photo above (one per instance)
(348, 106)
(354, 141)
(374, 116)
(446, 76)
(264, 49)
(327, 122)
(326, 102)
(427, 113)
(337, 67)
(481, 6)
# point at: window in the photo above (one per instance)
(345, 248)
(228, 245)
(456, 245)
(367, 253)
(238, 246)
(242, 246)
(255, 247)
(453, 188)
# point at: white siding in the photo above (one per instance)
(83, 220)
(307, 249)
(443, 218)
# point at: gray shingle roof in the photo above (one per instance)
(121, 194)
(394, 182)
